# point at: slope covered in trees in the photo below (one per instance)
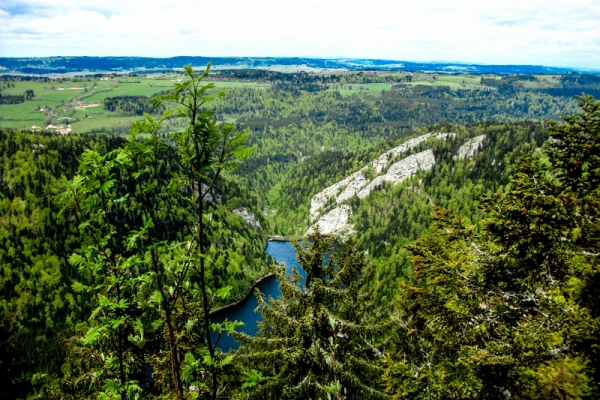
(511, 309)
(501, 305)
(476, 278)
(288, 126)
(41, 307)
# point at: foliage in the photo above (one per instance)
(37, 309)
(316, 340)
(493, 314)
(47, 301)
(109, 294)
(143, 285)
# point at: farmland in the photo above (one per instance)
(79, 102)
(110, 102)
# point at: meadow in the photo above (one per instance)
(55, 102)
(79, 102)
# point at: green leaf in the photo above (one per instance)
(156, 297)
(77, 287)
(224, 292)
(76, 260)
(122, 304)
(115, 323)
(92, 335)
(226, 361)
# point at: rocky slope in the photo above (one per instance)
(351, 185)
(469, 149)
(326, 207)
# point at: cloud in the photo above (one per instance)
(510, 32)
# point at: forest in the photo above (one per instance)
(474, 279)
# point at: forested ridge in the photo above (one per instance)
(39, 308)
(292, 124)
(53, 65)
(474, 279)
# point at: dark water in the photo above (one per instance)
(282, 252)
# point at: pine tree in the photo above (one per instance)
(317, 340)
(510, 310)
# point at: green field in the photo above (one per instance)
(60, 104)
(351, 88)
(453, 81)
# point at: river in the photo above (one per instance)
(282, 252)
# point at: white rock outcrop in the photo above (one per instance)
(250, 218)
(382, 162)
(470, 147)
(334, 222)
(401, 170)
(355, 183)
(320, 199)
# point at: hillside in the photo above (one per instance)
(39, 308)
(461, 242)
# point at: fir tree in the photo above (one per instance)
(317, 340)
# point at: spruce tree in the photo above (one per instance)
(510, 309)
(317, 340)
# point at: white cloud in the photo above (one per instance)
(509, 32)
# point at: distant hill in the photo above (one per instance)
(57, 65)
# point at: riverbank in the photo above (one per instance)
(256, 282)
(250, 292)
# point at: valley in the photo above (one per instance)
(443, 232)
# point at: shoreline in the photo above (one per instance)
(235, 303)
(278, 239)
(257, 281)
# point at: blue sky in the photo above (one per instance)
(552, 33)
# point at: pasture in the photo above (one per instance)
(58, 100)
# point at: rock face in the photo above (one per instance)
(334, 222)
(320, 199)
(401, 170)
(359, 184)
(248, 217)
(469, 149)
(354, 183)
(382, 162)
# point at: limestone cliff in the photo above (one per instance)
(354, 183)
(332, 218)
(470, 147)
(334, 222)
(401, 170)
(250, 218)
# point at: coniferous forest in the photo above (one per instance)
(474, 278)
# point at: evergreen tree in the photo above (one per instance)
(317, 339)
(507, 312)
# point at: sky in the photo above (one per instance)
(539, 32)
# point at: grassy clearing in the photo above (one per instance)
(453, 85)
(21, 124)
(23, 111)
(453, 81)
(58, 104)
(377, 87)
(226, 85)
(96, 124)
(61, 103)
